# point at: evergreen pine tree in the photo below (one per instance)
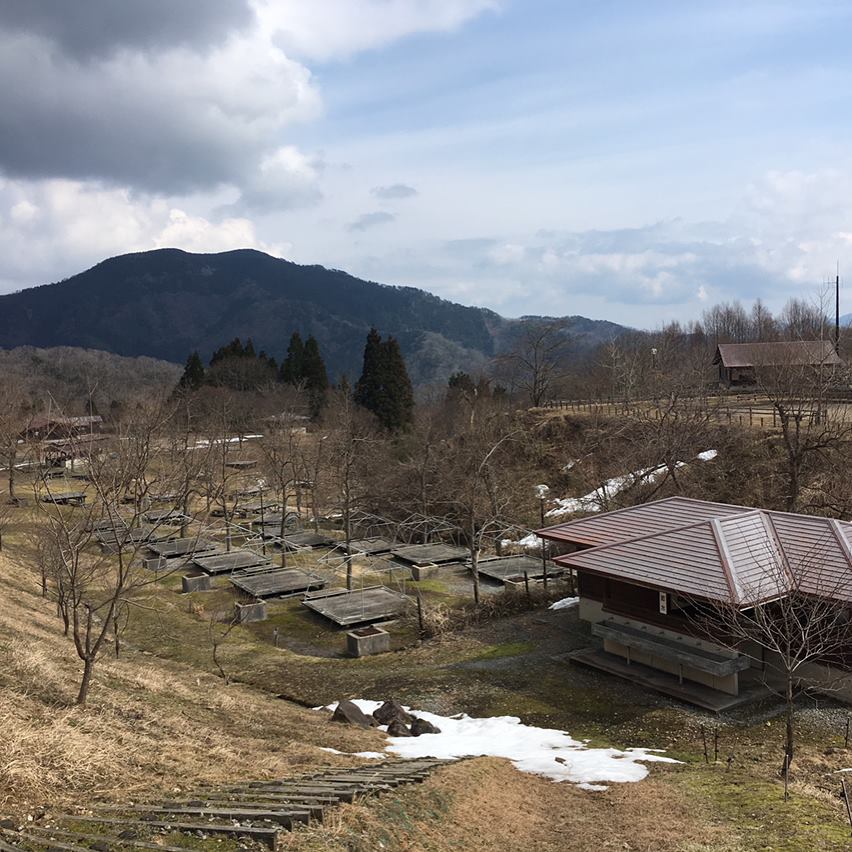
(193, 373)
(293, 366)
(368, 387)
(398, 402)
(384, 387)
(315, 375)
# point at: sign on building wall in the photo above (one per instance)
(664, 603)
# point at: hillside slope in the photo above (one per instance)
(166, 303)
(151, 724)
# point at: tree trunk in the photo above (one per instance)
(474, 568)
(788, 731)
(86, 680)
(12, 457)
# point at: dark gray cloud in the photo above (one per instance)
(371, 220)
(147, 116)
(394, 191)
(101, 27)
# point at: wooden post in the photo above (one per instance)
(846, 738)
(715, 745)
(846, 800)
(420, 612)
(527, 584)
(704, 741)
(750, 417)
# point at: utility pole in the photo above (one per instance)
(837, 310)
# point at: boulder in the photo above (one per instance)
(391, 710)
(398, 729)
(421, 726)
(349, 712)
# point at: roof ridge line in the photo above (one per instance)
(612, 512)
(725, 559)
(785, 561)
(644, 536)
(841, 538)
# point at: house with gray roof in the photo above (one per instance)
(740, 363)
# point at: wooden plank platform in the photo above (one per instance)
(164, 516)
(133, 535)
(271, 508)
(426, 554)
(511, 568)
(276, 582)
(368, 546)
(360, 606)
(181, 547)
(225, 563)
(67, 498)
(668, 684)
(302, 540)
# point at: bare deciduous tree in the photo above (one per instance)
(801, 621)
(537, 360)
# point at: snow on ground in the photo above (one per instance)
(595, 500)
(538, 751)
(565, 603)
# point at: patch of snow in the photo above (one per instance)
(594, 500)
(370, 755)
(565, 603)
(538, 751)
(707, 455)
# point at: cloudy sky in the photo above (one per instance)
(622, 160)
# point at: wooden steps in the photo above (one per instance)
(256, 811)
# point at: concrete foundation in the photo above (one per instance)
(425, 571)
(366, 641)
(247, 613)
(196, 583)
(156, 564)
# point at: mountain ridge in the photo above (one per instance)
(166, 303)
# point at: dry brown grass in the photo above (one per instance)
(492, 807)
(150, 725)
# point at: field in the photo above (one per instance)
(169, 714)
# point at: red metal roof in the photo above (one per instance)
(742, 556)
(634, 521)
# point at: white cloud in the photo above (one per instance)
(330, 29)
(80, 224)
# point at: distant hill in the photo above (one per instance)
(846, 320)
(71, 376)
(166, 303)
